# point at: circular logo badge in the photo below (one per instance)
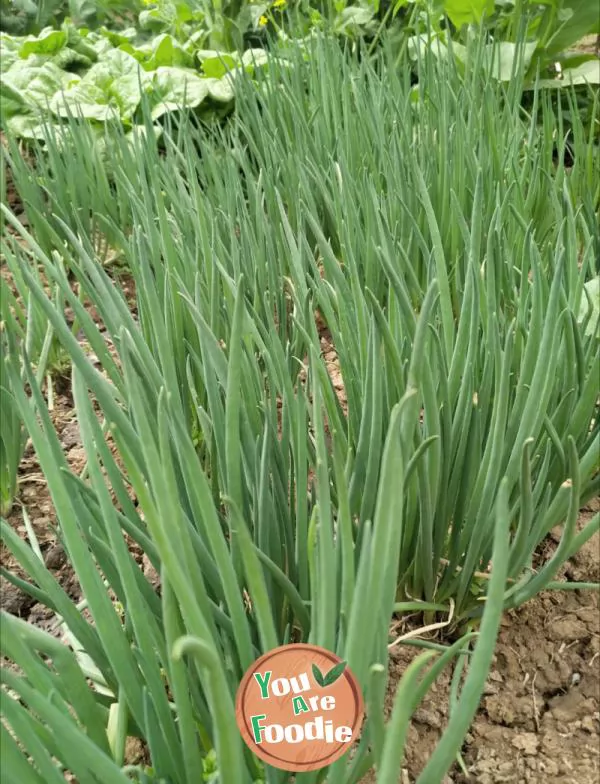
(299, 708)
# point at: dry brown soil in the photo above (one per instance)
(539, 718)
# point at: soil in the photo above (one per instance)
(35, 498)
(539, 719)
(590, 44)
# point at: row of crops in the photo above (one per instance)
(194, 197)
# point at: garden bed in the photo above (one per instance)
(539, 721)
(319, 374)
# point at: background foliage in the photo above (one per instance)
(96, 61)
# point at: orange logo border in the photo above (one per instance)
(243, 720)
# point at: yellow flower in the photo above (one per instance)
(279, 3)
(263, 21)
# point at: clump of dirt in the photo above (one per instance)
(34, 496)
(332, 363)
(590, 44)
(10, 195)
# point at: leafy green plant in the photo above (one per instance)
(29, 17)
(192, 53)
(23, 327)
(589, 311)
(447, 210)
(103, 77)
(537, 38)
(20, 17)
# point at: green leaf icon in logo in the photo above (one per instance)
(318, 675)
(331, 677)
(334, 673)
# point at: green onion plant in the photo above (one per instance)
(23, 329)
(430, 230)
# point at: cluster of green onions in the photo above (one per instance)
(446, 251)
